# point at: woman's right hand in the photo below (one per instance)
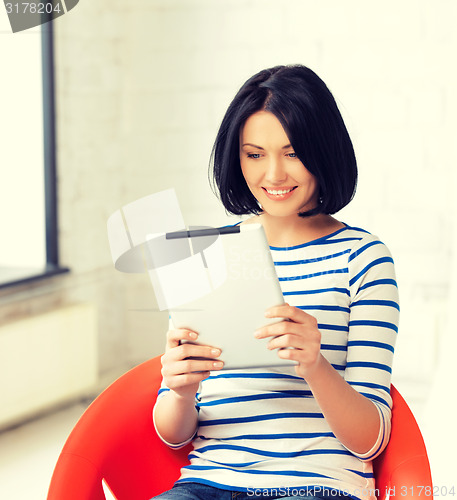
(180, 371)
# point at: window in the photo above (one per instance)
(28, 208)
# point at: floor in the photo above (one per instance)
(29, 452)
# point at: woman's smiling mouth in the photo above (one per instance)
(279, 194)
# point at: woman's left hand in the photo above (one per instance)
(296, 337)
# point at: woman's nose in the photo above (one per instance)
(275, 172)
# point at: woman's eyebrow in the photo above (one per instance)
(252, 145)
(260, 147)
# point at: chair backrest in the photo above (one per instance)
(403, 470)
(115, 440)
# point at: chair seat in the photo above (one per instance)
(115, 440)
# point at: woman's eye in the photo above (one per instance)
(292, 155)
(253, 155)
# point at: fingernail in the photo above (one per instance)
(257, 333)
(267, 314)
(216, 352)
(218, 364)
(193, 335)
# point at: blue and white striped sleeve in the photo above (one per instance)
(373, 328)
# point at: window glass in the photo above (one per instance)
(22, 208)
(28, 237)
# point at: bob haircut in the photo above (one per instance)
(310, 117)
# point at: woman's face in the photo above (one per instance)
(276, 177)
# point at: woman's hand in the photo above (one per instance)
(180, 371)
(297, 337)
(175, 415)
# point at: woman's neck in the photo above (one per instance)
(295, 230)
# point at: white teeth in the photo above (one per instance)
(282, 191)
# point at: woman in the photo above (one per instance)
(283, 155)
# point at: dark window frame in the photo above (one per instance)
(18, 276)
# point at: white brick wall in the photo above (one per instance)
(142, 86)
(389, 69)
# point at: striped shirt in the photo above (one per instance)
(262, 428)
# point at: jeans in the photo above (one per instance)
(197, 491)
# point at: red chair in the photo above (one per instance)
(403, 470)
(115, 440)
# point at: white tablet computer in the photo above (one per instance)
(228, 316)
